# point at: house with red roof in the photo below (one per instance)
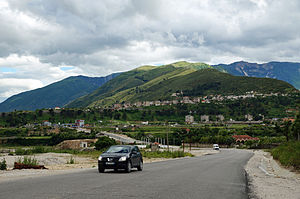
(243, 138)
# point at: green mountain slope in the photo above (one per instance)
(158, 83)
(132, 79)
(56, 94)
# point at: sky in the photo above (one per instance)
(44, 41)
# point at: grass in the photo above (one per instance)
(38, 137)
(288, 154)
(165, 154)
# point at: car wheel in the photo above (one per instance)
(101, 170)
(128, 169)
(140, 167)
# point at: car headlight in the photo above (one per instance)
(100, 158)
(123, 158)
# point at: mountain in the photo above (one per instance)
(286, 71)
(57, 94)
(158, 83)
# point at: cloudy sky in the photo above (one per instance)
(45, 41)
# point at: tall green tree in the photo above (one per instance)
(296, 128)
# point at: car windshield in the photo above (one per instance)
(118, 149)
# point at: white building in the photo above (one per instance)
(189, 119)
(79, 123)
(204, 118)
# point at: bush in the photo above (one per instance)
(165, 154)
(28, 161)
(288, 154)
(38, 149)
(3, 165)
(104, 142)
(71, 161)
(20, 151)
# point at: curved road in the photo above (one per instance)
(212, 176)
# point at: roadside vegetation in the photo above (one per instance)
(3, 165)
(104, 142)
(71, 160)
(49, 149)
(165, 154)
(288, 154)
(31, 161)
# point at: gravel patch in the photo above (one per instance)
(268, 180)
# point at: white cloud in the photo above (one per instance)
(39, 39)
(12, 86)
(30, 73)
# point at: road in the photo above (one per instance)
(122, 138)
(212, 176)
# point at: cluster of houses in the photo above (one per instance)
(79, 125)
(189, 119)
(180, 99)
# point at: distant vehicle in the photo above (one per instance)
(121, 157)
(216, 147)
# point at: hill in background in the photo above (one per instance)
(57, 94)
(158, 82)
(149, 83)
(286, 71)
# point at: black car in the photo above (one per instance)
(121, 157)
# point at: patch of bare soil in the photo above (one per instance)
(269, 180)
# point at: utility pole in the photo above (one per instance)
(168, 136)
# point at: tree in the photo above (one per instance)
(104, 142)
(51, 111)
(286, 130)
(124, 116)
(296, 128)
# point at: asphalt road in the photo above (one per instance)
(212, 176)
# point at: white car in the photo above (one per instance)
(216, 147)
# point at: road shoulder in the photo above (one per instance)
(268, 180)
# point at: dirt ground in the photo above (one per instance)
(57, 163)
(268, 180)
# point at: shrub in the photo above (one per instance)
(288, 154)
(20, 151)
(104, 142)
(38, 149)
(165, 154)
(28, 161)
(3, 165)
(71, 161)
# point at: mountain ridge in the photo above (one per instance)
(56, 94)
(286, 71)
(144, 77)
(162, 81)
